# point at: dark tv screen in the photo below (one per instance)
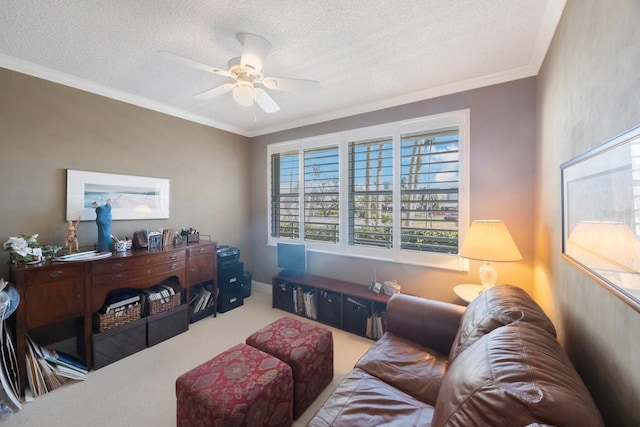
(292, 257)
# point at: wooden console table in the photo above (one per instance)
(60, 291)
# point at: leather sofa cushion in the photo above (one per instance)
(364, 400)
(515, 375)
(497, 306)
(412, 368)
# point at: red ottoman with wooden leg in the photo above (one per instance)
(307, 348)
(242, 386)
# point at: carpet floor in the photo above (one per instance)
(140, 389)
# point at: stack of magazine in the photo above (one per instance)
(304, 302)
(202, 299)
(9, 377)
(120, 302)
(49, 369)
(376, 325)
(161, 292)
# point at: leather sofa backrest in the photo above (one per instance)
(495, 307)
(430, 323)
(516, 375)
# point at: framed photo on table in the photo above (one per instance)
(131, 197)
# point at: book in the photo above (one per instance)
(51, 380)
(206, 297)
(120, 301)
(66, 360)
(125, 301)
(34, 374)
(65, 372)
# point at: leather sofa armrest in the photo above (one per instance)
(430, 323)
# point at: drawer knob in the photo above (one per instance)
(173, 256)
(57, 273)
(202, 250)
(174, 266)
(116, 277)
(116, 266)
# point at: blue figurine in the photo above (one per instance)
(103, 219)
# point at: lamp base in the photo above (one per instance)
(488, 275)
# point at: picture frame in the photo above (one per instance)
(601, 215)
(132, 197)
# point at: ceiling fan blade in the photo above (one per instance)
(216, 91)
(255, 49)
(265, 101)
(191, 63)
(282, 83)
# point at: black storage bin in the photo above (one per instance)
(283, 297)
(229, 300)
(328, 308)
(246, 284)
(355, 312)
(167, 324)
(118, 343)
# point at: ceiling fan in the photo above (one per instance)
(246, 70)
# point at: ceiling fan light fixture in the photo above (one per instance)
(243, 94)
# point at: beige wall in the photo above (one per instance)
(502, 179)
(46, 128)
(587, 94)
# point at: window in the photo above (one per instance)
(395, 192)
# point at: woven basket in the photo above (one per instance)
(164, 304)
(113, 319)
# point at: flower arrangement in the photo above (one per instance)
(24, 248)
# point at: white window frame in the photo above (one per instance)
(459, 119)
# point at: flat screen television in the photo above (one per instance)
(292, 258)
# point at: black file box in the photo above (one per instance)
(329, 308)
(355, 313)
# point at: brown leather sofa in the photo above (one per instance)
(497, 363)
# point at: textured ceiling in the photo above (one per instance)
(366, 55)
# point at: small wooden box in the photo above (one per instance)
(190, 237)
(118, 343)
(167, 324)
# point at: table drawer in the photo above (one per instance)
(121, 277)
(135, 262)
(201, 250)
(55, 273)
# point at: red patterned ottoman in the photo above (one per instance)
(307, 348)
(242, 386)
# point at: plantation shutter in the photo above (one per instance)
(321, 194)
(430, 173)
(371, 193)
(285, 205)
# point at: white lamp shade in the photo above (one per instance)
(243, 94)
(489, 240)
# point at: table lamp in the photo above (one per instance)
(489, 241)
